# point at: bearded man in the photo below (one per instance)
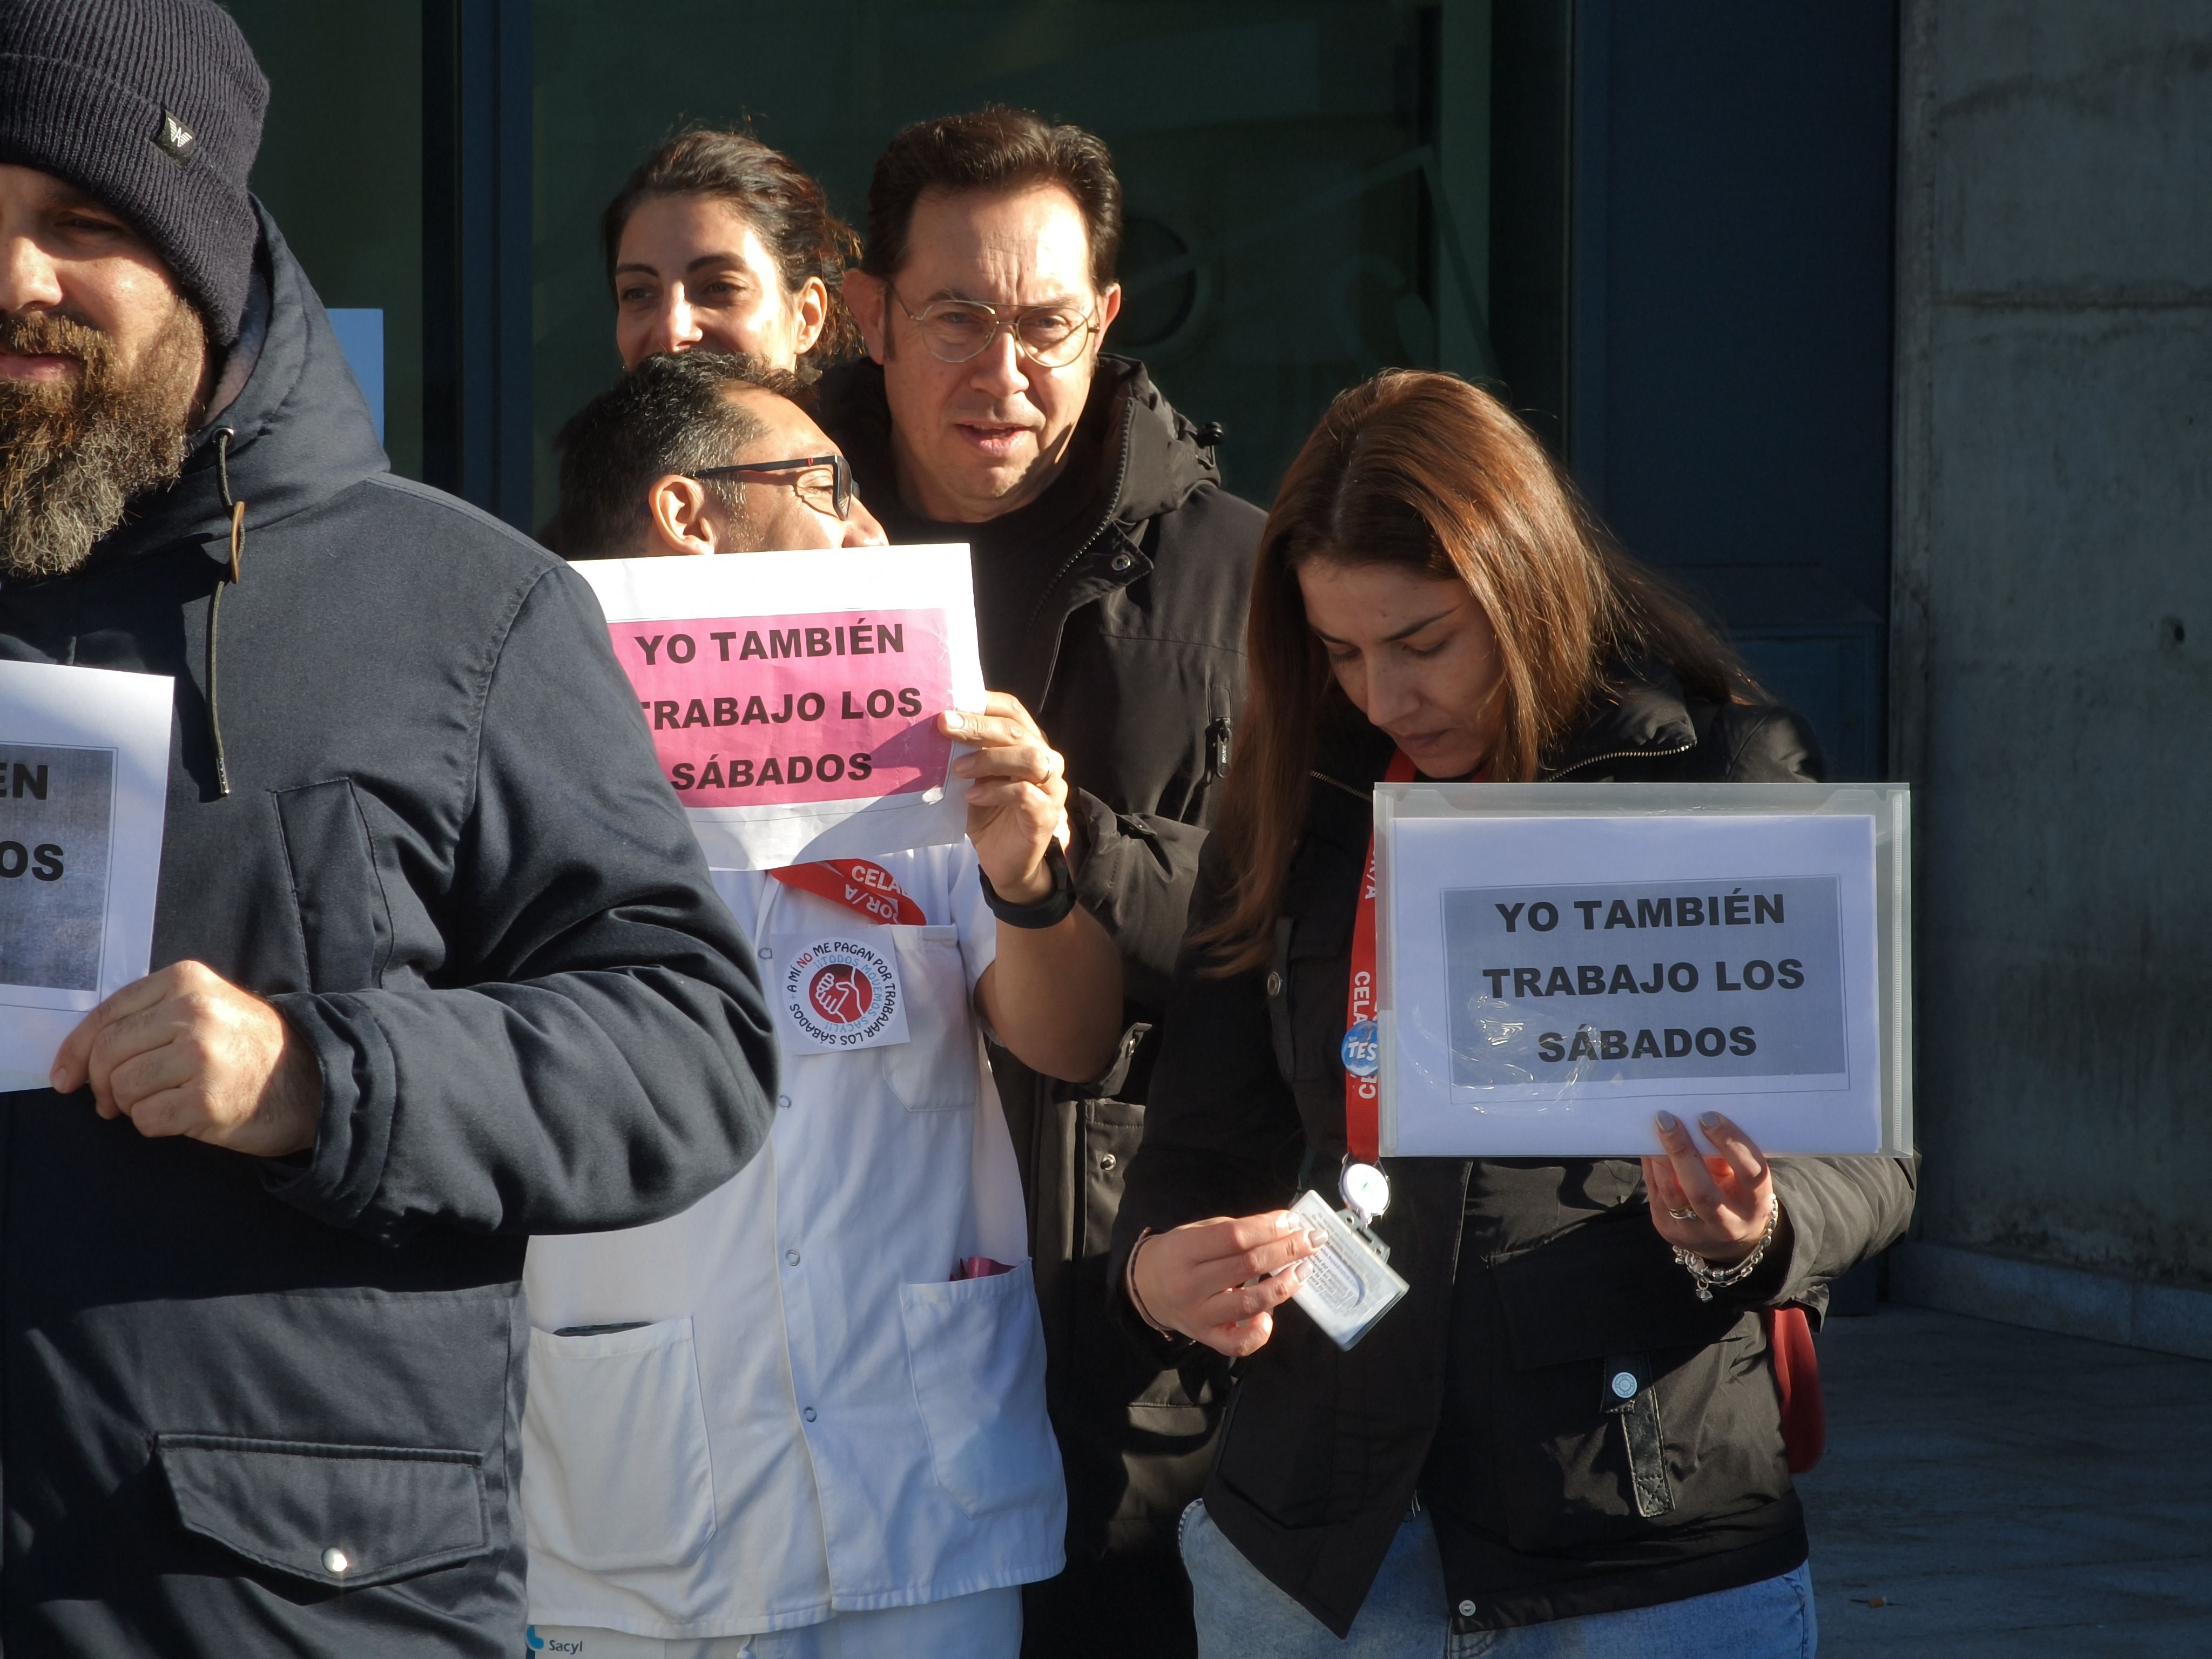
(438, 963)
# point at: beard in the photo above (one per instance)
(74, 452)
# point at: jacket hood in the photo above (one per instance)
(1167, 460)
(1152, 458)
(300, 432)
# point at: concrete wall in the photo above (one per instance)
(2051, 649)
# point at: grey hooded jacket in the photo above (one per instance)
(272, 1408)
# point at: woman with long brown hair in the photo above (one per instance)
(1556, 1444)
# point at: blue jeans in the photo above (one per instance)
(1242, 1616)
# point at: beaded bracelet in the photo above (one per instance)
(1709, 1279)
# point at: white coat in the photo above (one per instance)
(802, 1412)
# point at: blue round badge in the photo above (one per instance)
(1363, 1054)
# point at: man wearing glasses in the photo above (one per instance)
(702, 453)
(805, 1418)
(1111, 570)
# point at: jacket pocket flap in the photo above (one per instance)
(341, 1516)
(344, 922)
(1607, 1287)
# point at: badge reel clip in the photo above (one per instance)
(1349, 1283)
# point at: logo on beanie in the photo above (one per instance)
(175, 139)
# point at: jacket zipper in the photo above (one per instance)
(1112, 506)
(1217, 732)
(1621, 754)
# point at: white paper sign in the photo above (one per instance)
(793, 698)
(84, 779)
(1555, 981)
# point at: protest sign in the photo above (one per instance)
(84, 779)
(1558, 963)
(793, 698)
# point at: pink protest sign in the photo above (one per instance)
(822, 706)
(793, 696)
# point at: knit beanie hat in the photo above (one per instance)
(154, 107)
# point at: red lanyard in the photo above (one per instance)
(1362, 1051)
(858, 884)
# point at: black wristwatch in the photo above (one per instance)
(1047, 912)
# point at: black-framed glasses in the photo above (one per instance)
(961, 330)
(824, 482)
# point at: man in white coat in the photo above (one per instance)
(806, 1419)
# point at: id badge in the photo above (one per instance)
(1348, 1285)
(839, 993)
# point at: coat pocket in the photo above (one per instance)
(1277, 1449)
(935, 1069)
(975, 1350)
(337, 1515)
(1606, 1405)
(617, 1473)
(345, 924)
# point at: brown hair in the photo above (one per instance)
(996, 148)
(779, 200)
(1421, 468)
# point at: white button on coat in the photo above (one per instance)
(1623, 1384)
(335, 1561)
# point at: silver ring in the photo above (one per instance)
(1683, 1215)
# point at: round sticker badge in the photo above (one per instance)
(1363, 1054)
(844, 994)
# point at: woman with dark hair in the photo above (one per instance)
(1567, 1439)
(720, 242)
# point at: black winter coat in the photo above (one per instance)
(1114, 607)
(449, 858)
(1323, 1451)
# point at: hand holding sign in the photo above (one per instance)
(184, 1051)
(1715, 1207)
(1019, 797)
(1053, 993)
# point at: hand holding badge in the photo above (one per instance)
(1216, 1281)
(1349, 1283)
